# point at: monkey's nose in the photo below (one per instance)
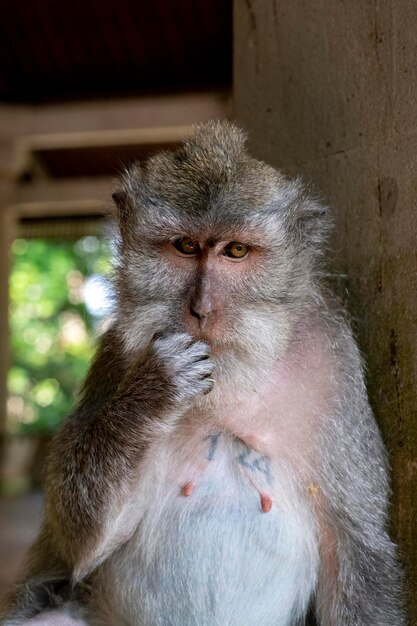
(202, 311)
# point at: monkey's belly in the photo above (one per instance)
(213, 557)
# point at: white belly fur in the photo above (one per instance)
(215, 558)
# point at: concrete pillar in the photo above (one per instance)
(5, 241)
(11, 124)
(329, 89)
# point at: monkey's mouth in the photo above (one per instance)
(210, 337)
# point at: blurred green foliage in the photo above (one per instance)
(52, 330)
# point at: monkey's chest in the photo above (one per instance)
(222, 543)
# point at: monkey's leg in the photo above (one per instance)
(44, 583)
(56, 617)
(44, 594)
(360, 584)
(44, 601)
(360, 579)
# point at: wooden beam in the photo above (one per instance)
(144, 112)
(6, 237)
(107, 137)
(27, 145)
(62, 197)
(152, 119)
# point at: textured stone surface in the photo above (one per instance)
(329, 90)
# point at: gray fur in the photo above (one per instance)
(150, 419)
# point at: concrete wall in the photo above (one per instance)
(329, 89)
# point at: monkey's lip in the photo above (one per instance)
(214, 341)
(200, 333)
(205, 338)
(209, 337)
(213, 333)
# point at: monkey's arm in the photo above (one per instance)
(95, 459)
(96, 456)
(46, 574)
(360, 577)
(78, 456)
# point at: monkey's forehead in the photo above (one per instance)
(208, 196)
(210, 184)
(221, 217)
(211, 169)
(202, 184)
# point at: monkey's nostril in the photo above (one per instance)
(194, 313)
(199, 313)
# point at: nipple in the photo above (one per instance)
(187, 489)
(266, 503)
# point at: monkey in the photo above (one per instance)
(223, 465)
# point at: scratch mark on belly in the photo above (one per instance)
(260, 463)
(214, 440)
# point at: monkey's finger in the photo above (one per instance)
(211, 385)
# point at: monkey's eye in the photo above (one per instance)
(236, 250)
(187, 246)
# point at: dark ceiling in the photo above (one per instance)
(53, 50)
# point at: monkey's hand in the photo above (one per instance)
(186, 364)
(179, 368)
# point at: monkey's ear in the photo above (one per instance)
(120, 200)
(125, 214)
(310, 221)
(126, 199)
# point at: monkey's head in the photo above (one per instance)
(216, 244)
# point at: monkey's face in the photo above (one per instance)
(218, 245)
(236, 286)
(215, 272)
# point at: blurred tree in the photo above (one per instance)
(59, 298)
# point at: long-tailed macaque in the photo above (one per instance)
(223, 467)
